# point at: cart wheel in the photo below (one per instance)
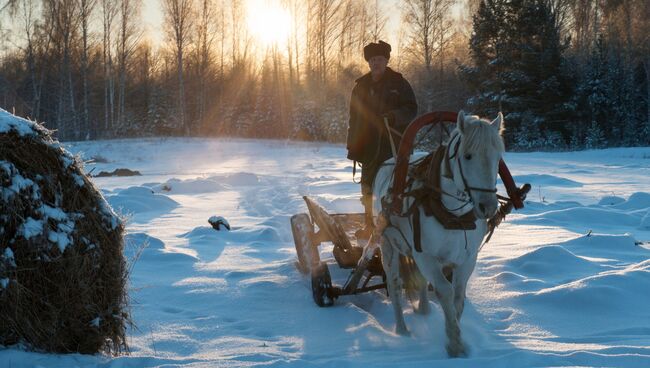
(321, 285)
(303, 231)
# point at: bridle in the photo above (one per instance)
(448, 159)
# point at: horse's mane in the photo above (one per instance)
(480, 137)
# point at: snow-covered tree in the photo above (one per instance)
(595, 137)
(519, 67)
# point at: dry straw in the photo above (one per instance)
(63, 288)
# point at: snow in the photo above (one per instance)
(611, 200)
(562, 282)
(190, 186)
(140, 202)
(18, 182)
(9, 257)
(78, 180)
(95, 322)
(60, 238)
(10, 122)
(53, 213)
(67, 161)
(645, 222)
(30, 228)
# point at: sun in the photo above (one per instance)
(268, 22)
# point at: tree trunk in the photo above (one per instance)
(647, 84)
(86, 8)
(181, 91)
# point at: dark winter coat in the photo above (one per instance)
(391, 96)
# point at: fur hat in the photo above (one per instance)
(375, 49)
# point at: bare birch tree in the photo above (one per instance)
(296, 11)
(178, 25)
(349, 15)
(237, 17)
(429, 35)
(323, 18)
(206, 32)
(109, 12)
(379, 20)
(128, 36)
(64, 15)
(30, 25)
(85, 10)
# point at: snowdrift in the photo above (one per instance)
(62, 271)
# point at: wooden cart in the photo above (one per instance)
(310, 230)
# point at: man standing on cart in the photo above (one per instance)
(382, 104)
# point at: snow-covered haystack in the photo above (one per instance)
(62, 271)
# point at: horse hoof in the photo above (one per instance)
(403, 331)
(456, 351)
(423, 309)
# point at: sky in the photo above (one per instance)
(153, 18)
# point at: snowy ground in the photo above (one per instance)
(562, 283)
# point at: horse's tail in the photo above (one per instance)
(412, 279)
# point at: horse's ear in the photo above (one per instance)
(498, 123)
(460, 123)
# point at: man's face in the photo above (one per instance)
(377, 64)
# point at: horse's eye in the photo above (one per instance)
(468, 156)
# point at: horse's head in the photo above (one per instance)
(475, 149)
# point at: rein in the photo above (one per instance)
(468, 187)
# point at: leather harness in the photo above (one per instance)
(429, 195)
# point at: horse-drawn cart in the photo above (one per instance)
(313, 229)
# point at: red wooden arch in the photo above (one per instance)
(404, 155)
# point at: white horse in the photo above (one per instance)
(448, 257)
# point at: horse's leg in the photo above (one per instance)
(423, 304)
(461, 276)
(445, 294)
(390, 261)
(459, 299)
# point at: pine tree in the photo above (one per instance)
(595, 137)
(519, 68)
(488, 51)
(642, 98)
(306, 121)
(595, 98)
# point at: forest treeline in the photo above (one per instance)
(568, 74)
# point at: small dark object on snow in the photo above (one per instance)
(217, 222)
(99, 159)
(118, 172)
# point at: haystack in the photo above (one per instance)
(62, 269)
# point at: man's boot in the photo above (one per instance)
(366, 232)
